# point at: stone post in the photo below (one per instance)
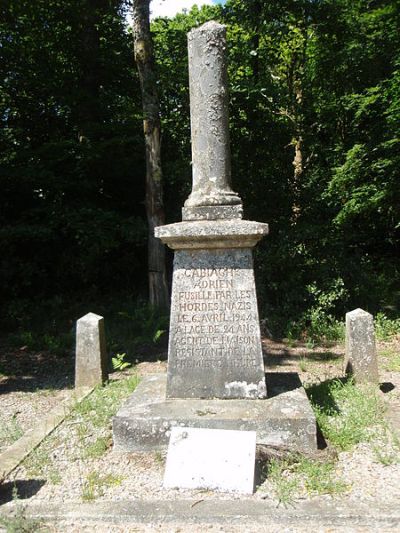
(360, 358)
(91, 355)
(210, 127)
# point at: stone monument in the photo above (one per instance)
(215, 375)
(214, 344)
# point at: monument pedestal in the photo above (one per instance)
(214, 343)
(286, 419)
(215, 376)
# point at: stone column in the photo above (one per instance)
(360, 359)
(91, 354)
(210, 127)
(215, 344)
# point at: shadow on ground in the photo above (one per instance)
(28, 371)
(20, 489)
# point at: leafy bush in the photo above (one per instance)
(318, 323)
(386, 328)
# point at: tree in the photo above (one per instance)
(143, 46)
(71, 158)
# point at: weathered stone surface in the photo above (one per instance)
(91, 354)
(360, 359)
(213, 459)
(209, 118)
(214, 344)
(212, 212)
(285, 419)
(210, 234)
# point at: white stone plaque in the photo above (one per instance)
(215, 459)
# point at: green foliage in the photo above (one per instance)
(98, 408)
(140, 324)
(386, 328)
(391, 359)
(292, 476)
(118, 362)
(318, 323)
(285, 488)
(315, 80)
(98, 447)
(35, 341)
(71, 161)
(10, 430)
(347, 414)
(89, 423)
(96, 484)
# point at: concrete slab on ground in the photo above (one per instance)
(285, 419)
(237, 512)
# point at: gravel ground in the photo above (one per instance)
(35, 383)
(138, 476)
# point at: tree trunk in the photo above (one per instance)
(144, 57)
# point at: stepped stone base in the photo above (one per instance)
(284, 419)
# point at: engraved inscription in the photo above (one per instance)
(216, 320)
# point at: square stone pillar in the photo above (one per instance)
(360, 360)
(215, 344)
(91, 353)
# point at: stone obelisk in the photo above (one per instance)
(214, 344)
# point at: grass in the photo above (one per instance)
(91, 418)
(391, 359)
(10, 431)
(303, 364)
(297, 475)
(388, 451)
(98, 408)
(347, 414)
(96, 484)
(39, 462)
(386, 328)
(89, 423)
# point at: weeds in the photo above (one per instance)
(10, 431)
(39, 462)
(318, 324)
(297, 475)
(391, 361)
(119, 363)
(303, 364)
(386, 328)
(387, 452)
(345, 413)
(93, 415)
(96, 485)
(98, 408)
(58, 344)
(98, 447)
(285, 487)
(90, 424)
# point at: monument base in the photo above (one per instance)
(285, 419)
